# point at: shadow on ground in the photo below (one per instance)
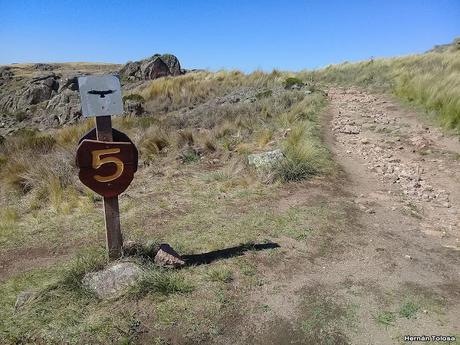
(207, 258)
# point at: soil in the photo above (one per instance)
(399, 187)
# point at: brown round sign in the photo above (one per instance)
(106, 167)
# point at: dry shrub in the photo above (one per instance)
(225, 129)
(264, 136)
(154, 141)
(206, 141)
(185, 138)
(69, 136)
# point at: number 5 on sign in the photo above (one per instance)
(98, 162)
(106, 167)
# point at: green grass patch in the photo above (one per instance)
(409, 309)
(386, 318)
(220, 274)
(163, 282)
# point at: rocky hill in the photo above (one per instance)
(45, 95)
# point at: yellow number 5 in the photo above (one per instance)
(98, 162)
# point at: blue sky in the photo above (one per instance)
(246, 35)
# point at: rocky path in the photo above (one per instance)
(398, 247)
(416, 164)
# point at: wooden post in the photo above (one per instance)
(111, 208)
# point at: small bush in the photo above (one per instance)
(264, 94)
(189, 156)
(20, 116)
(290, 82)
(133, 97)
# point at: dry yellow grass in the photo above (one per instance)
(431, 80)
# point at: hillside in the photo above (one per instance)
(351, 235)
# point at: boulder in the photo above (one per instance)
(168, 257)
(153, 67)
(173, 64)
(112, 281)
(265, 159)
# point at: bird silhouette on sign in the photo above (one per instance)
(101, 93)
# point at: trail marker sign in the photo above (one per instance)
(100, 95)
(106, 157)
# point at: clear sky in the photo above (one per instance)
(246, 35)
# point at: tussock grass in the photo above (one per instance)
(430, 80)
(153, 141)
(69, 136)
(163, 282)
(305, 155)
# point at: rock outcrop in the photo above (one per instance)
(46, 95)
(154, 67)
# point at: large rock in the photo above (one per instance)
(113, 280)
(154, 69)
(173, 64)
(151, 68)
(265, 159)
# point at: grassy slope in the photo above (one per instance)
(430, 80)
(193, 190)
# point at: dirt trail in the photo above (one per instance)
(398, 250)
(416, 165)
(404, 175)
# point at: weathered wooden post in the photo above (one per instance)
(106, 157)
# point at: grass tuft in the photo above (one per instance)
(409, 309)
(220, 274)
(163, 282)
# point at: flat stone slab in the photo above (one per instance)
(113, 280)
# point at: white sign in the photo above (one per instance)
(100, 95)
